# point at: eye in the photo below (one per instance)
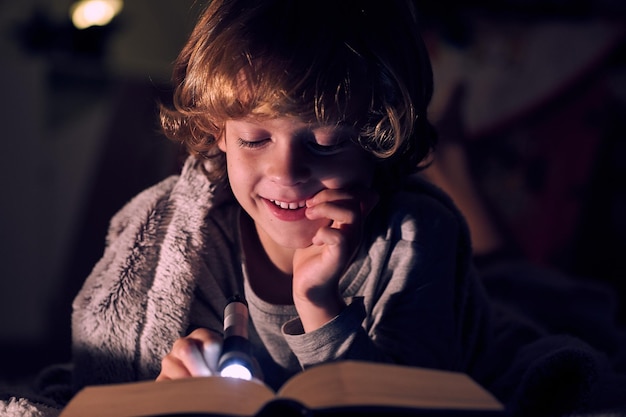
(321, 149)
(329, 141)
(251, 144)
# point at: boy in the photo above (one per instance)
(304, 121)
(310, 112)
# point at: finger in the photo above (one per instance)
(172, 368)
(212, 351)
(367, 198)
(339, 212)
(328, 195)
(329, 236)
(211, 343)
(338, 205)
(189, 352)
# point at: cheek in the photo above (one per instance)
(355, 170)
(236, 172)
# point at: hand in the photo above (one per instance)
(192, 356)
(317, 268)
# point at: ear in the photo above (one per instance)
(221, 142)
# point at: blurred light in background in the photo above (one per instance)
(87, 13)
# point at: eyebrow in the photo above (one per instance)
(344, 128)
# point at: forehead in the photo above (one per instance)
(287, 123)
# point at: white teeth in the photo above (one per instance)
(289, 206)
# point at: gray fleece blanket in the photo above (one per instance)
(121, 328)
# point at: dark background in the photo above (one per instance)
(543, 116)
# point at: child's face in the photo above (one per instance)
(275, 165)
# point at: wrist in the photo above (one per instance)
(316, 311)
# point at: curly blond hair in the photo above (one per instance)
(356, 62)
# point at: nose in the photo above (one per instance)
(288, 165)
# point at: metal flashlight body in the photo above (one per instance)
(236, 358)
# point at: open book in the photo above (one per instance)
(327, 388)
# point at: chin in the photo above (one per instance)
(294, 243)
(293, 238)
(292, 235)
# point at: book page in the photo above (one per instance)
(372, 384)
(192, 395)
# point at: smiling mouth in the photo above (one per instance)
(289, 206)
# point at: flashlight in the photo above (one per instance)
(236, 358)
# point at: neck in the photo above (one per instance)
(270, 276)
